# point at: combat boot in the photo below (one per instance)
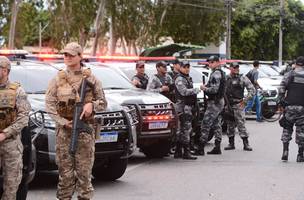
(178, 151)
(231, 144)
(187, 153)
(216, 149)
(285, 151)
(300, 157)
(247, 147)
(200, 151)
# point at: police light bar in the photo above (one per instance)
(133, 58)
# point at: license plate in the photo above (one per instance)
(271, 103)
(106, 137)
(158, 125)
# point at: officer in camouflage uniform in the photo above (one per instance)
(161, 82)
(292, 98)
(140, 79)
(14, 111)
(214, 89)
(186, 99)
(61, 96)
(235, 85)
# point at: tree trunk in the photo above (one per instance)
(12, 31)
(123, 44)
(97, 25)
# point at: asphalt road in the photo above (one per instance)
(237, 175)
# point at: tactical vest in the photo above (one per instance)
(143, 81)
(165, 82)
(68, 92)
(221, 91)
(235, 89)
(295, 94)
(8, 110)
(188, 100)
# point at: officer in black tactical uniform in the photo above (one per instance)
(292, 99)
(140, 79)
(186, 100)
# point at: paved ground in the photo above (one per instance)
(237, 175)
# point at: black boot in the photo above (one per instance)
(178, 151)
(187, 153)
(285, 151)
(231, 144)
(247, 147)
(216, 149)
(200, 151)
(300, 157)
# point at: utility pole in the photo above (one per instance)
(228, 37)
(281, 33)
(40, 35)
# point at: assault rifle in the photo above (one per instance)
(205, 98)
(79, 125)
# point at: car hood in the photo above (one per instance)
(37, 102)
(135, 96)
(269, 82)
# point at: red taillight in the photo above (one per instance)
(157, 118)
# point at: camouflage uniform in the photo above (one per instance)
(61, 95)
(158, 81)
(212, 118)
(14, 111)
(293, 112)
(235, 86)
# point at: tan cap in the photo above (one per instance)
(4, 62)
(72, 48)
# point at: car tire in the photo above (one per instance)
(112, 170)
(157, 150)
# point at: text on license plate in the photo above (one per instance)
(272, 103)
(108, 137)
(158, 125)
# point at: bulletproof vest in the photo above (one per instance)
(295, 94)
(8, 110)
(143, 81)
(68, 92)
(188, 100)
(235, 89)
(165, 82)
(221, 91)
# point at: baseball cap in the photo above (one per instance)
(234, 65)
(213, 59)
(140, 63)
(185, 63)
(300, 61)
(72, 48)
(4, 62)
(176, 62)
(161, 64)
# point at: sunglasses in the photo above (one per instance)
(187, 66)
(141, 67)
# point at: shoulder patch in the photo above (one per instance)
(61, 74)
(14, 85)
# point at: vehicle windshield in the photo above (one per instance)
(244, 69)
(33, 79)
(268, 70)
(111, 79)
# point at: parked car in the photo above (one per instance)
(118, 133)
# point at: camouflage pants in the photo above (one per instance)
(184, 126)
(11, 163)
(74, 172)
(239, 122)
(212, 120)
(295, 115)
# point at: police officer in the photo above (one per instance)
(292, 98)
(14, 111)
(214, 90)
(161, 82)
(235, 85)
(175, 69)
(61, 96)
(140, 79)
(186, 100)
